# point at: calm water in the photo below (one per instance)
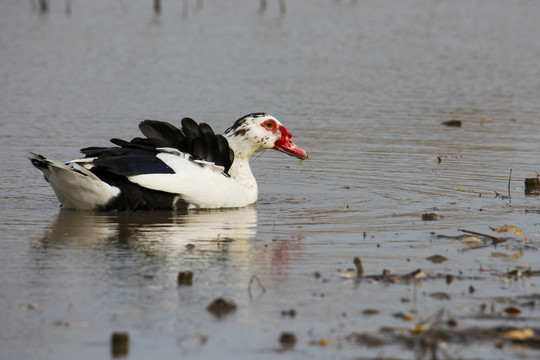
(363, 86)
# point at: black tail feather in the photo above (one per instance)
(39, 161)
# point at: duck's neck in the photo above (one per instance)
(241, 172)
(240, 169)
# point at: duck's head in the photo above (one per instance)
(259, 131)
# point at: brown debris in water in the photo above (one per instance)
(365, 339)
(321, 342)
(119, 344)
(418, 329)
(440, 295)
(397, 278)
(506, 256)
(509, 228)
(290, 313)
(419, 274)
(436, 259)
(185, 278)
(532, 186)
(359, 267)
(453, 156)
(429, 217)
(402, 316)
(496, 240)
(452, 123)
(221, 307)
(512, 310)
(369, 312)
(517, 334)
(287, 340)
(428, 338)
(472, 241)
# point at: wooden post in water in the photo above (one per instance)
(263, 6)
(282, 8)
(157, 6)
(185, 8)
(43, 6)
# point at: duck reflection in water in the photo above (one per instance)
(152, 230)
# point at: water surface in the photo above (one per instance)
(363, 87)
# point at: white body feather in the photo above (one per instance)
(201, 184)
(78, 188)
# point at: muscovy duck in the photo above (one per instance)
(172, 168)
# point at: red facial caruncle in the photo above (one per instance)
(284, 144)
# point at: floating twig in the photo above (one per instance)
(255, 278)
(509, 180)
(481, 234)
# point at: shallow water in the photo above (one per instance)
(364, 88)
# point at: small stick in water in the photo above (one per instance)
(509, 180)
(359, 267)
(481, 234)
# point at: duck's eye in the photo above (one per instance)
(269, 124)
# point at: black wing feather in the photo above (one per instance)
(191, 129)
(211, 142)
(224, 154)
(138, 156)
(126, 161)
(161, 133)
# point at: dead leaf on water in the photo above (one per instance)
(452, 123)
(348, 274)
(418, 329)
(437, 259)
(402, 316)
(408, 317)
(470, 190)
(472, 241)
(429, 216)
(509, 228)
(514, 272)
(418, 274)
(506, 256)
(512, 310)
(518, 334)
(325, 342)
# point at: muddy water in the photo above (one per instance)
(364, 88)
